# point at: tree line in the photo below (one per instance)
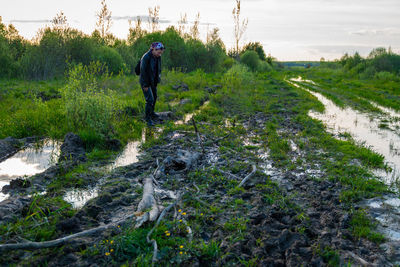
(58, 47)
(381, 63)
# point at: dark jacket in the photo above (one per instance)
(148, 64)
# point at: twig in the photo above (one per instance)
(189, 230)
(198, 136)
(228, 173)
(197, 188)
(222, 138)
(359, 259)
(248, 176)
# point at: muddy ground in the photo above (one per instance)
(280, 217)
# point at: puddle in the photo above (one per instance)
(364, 128)
(393, 113)
(387, 211)
(78, 198)
(128, 156)
(29, 161)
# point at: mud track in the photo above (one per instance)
(307, 218)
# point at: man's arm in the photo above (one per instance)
(144, 72)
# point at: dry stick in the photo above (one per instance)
(152, 241)
(189, 230)
(248, 176)
(228, 173)
(60, 241)
(198, 136)
(222, 138)
(359, 259)
(197, 188)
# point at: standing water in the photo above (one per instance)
(364, 128)
(29, 161)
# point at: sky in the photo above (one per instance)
(287, 29)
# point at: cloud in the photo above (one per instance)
(142, 17)
(337, 50)
(30, 21)
(375, 32)
(145, 18)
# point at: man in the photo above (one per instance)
(150, 71)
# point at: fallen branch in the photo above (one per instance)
(148, 202)
(198, 136)
(28, 245)
(248, 176)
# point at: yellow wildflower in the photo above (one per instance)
(183, 213)
(167, 234)
(201, 214)
(180, 220)
(112, 241)
(180, 252)
(112, 250)
(179, 210)
(107, 253)
(181, 247)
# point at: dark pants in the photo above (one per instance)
(151, 97)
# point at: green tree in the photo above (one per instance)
(257, 47)
(250, 59)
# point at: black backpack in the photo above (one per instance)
(137, 68)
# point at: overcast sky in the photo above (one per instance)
(288, 29)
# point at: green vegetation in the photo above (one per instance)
(252, 117)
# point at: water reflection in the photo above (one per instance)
(78, 198)
(29, 161)
(363, 128)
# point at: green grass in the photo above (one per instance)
(243, 95)
(39, 219)
(362, 226)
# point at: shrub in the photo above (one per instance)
(87, 106)
(250, 59)
(385, 76)
(264, 66)
(110, 58)
(237, 76)
(228, 63)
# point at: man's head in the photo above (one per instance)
(157, 49)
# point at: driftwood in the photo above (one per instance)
(248, 176)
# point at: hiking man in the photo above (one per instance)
(150, 71)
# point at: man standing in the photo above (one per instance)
(150, 71)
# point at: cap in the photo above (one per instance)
(157, 45)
